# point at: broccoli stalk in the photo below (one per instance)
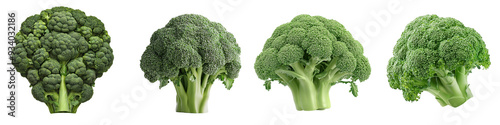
(436, 55)
(312, 92)
(192, 97)
(309, 55)
(193, 89)
(300, 82)
(450, 90)
(63, 105)
(191, 52)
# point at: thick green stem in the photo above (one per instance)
(461, 76)
(63, 104)
(451, 90)
(324, 86)
(306, 90)
(290, 82)
(310, 91)
(190, 101)
(295, 94)
(181, 104)
(63, 98)
(434, 90)
(323, 96)
(193, 91)
(307, 94)
(181, 98)
(206, 93)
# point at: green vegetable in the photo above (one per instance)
(436, 55)
(309, 55)
(191, 51)
(61, 52)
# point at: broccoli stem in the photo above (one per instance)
(63, 105)
(181, 97)
(203, 103)
(325, 83)
(306, 89)
(323, 96)
(309, 91)
(307, 94)
(463, 84)
(193, 91)
(451, 90)
(288, 80)
(295, 93)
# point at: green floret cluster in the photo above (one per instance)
(436, 54)
(192, 52)
(61, 52)
(309, 55)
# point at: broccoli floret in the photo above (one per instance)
(309, 55)
(436, 55)
(61, 52)
(192, 52)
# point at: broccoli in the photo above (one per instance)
(61, 52)
(436, 54)
(191, 51)
(309, 55)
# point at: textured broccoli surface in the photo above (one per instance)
(309, 55)
(61, 52)
(436, 54)
(192, 52)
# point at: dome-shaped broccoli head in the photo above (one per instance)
(309, 54)
(192, 52)
(436, 54)
(61, 52)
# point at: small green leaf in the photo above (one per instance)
(354, 90)
(228, 83)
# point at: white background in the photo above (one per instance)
(124, 97)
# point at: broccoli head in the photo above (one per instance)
(61, 52)
(309, 55)
(436, 54)
(191, 51)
